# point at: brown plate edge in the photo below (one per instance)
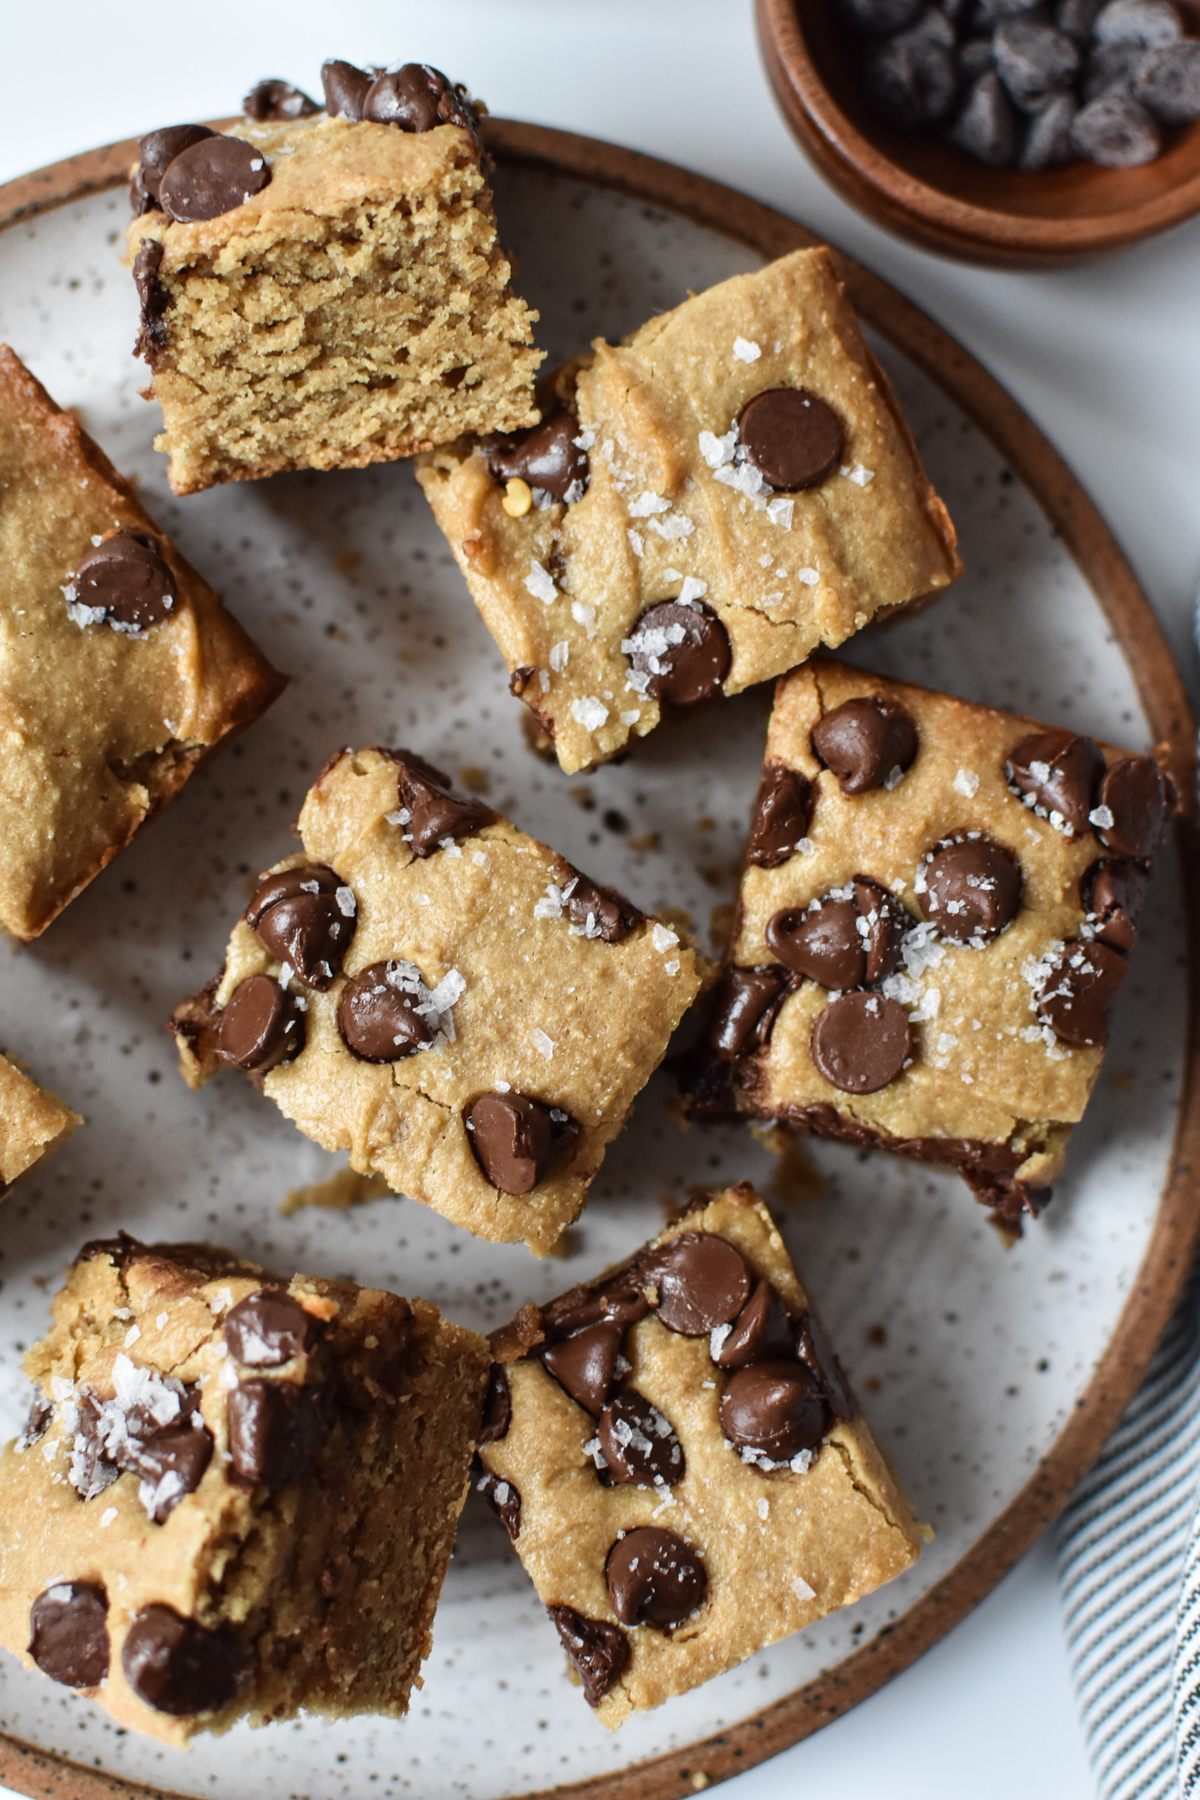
(45, 1776)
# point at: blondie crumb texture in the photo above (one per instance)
(936, 910)
(102, 724)
(236, 1495)
(33, 1123)
(355, 310)
(666, 505)
(445, 998)
(664, 1551)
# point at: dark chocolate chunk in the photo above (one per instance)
(346, 89)
(585, 1362)
(1114, 131)
(516, 1139)
(261, 1027)
(760, 1333)
(305, 917)
(654, 1577)
(911, 79)
(986, 126)
(1112, 893)
(377, 1019)
(879, 18)
(211, 178)
(618, 1298)
(179, 1667)
(1168, 82)
(158, 150)
(861, 1042)
(41, 1411)
(1152, 23)
(972, 888)
(599, 1651)
(793, 438)
(817, 1354)
(266, 1330)
(273, 99)
(435, 815)
(702, 1281)
(171, 1462)
(775, 1408)
(637, 1442)
(68, 1633)
(745, 1008)
(92, 1469)
(274, 1427)
(416, 98)
(683, 648)
(1131, 808)
(1034, 61)
(847, 939)
(1056, 773)
(865, 743)
(783, 810)
(497, 1406)
(599, 912)
(504, 1498)
(121, 1250)
(127, 581)
(153, 336)
(1079, 990)
(547, 457)
(1047, 140)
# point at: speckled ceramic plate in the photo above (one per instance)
(990, 1376)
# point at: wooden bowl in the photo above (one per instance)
(938, 197)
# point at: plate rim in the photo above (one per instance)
(1167, 1259)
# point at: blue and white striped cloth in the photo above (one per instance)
(1129, 1573)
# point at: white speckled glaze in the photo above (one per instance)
(969, 1358)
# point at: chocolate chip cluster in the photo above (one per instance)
(191, 173)
(781, 1392)
(1028, 83)
(174, 1664)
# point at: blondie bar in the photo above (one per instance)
(33, 1123)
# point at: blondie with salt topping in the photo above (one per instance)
(33, 1123)
(680, 1462)
(712, 499)
(937, 907)
(236, 1494)
(445, 998)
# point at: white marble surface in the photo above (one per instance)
(1104, 358)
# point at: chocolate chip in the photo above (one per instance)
(972, 888)
(121, 1250)
(68, 1633)
(637, 1442)
(1133, 795)
(911, 80)
(847, 938)
(41, 1411)
(1149, 22)
(1112, 894)
(702, 1281)
(783, 810)
(618, 1298)
(345, 89)
(378, 1021)
(986, 126)
(547, 457)
(1114, 131)
(516, 1139)
(153, 336)
(879, 18)
(273, 100)
(171, 1462)
(1111, 65)
(1056, 774)
(273, 1431)
(654, 1577)
(266, 1330)
(585, 1363)
(158, 150)
(817, 1353)
(497, 1406)
(434, 814)
(774, 1408)
(793, 438)
(212, 178)
(305, 917)
(504, 1498)
(599, 1651)
(599, 912)
(684, 650)
(1076, 18)
(126, 581)
(745, 1008)
(760, 1333)
(861, 1042)
(1034, 61)
(92, 1470)
(179, 1667)
(864, 742)
(1077, 993)
(416, 98)
(261, 1027)
(1047, 140)
(1168, 83)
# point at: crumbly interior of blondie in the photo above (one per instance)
(356, 310)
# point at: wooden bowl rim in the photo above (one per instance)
(916, 208)
(1168, 1257)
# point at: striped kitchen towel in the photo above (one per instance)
(1129, 1574)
